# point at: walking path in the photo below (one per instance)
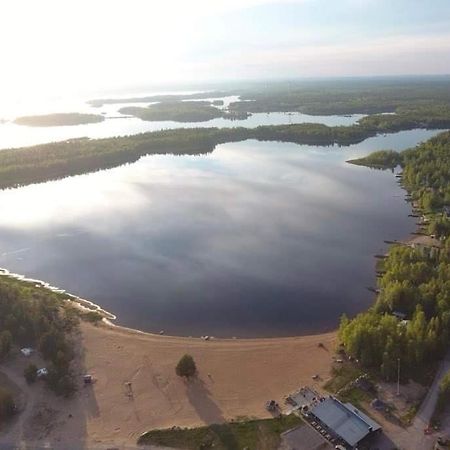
(413, 437)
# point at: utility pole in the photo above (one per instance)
(398, 376)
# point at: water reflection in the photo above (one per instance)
(116, 124)
(253, 239)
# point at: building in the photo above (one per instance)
(344, 421)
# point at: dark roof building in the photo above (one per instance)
(345, 421)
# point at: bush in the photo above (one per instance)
(30, 373)
(60, 381)
(5, 343)
(186, 367)
(7, 405)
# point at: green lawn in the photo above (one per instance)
(342, 375)
(251, 434)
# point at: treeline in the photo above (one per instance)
(36, 317)
(381, 159)
(182, 111)
(425, 174)
(159, 98)
(443, 396)
(58, 119)
(415, 281)
(352, 96)
(56, 160)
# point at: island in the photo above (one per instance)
(58, 119)
(72, 157)
(97, 103)
(182, 111)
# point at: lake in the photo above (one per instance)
(117, 124)
(253, 239)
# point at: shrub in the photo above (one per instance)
(186, 367)
(7, 405)
(30, 373)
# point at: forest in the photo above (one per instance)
(97, 103)
(182, 111)
(317, 97)
(56, 160)
(415, 280)
(344, 96)
(58, 119)
(38, 318)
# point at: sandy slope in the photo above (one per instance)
(236, 377)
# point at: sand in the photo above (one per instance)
(235, 379)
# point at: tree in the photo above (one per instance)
(30, 373)
(5, 343)
(6, 404)
(444, 395)
(186, 367)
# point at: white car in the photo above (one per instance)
(42, 372)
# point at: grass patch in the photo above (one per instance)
(342, 375)
(407, 418)
(251, 434)
(356, 396)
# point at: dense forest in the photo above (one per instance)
(415, 279)
(339, 96)
(345, 96)
(38, 318)
(183, 111)
(159, 98)
(58, 119)
(55, 160)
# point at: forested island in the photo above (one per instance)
(58, 119)
(159, 98)
(415, 279)
(56, 160)
(182, 111)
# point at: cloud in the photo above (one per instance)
(380, 56)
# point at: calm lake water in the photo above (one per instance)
(253, 239)
(116, 124)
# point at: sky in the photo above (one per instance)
(60, 45)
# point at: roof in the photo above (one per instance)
(345, 420)
(305, 396)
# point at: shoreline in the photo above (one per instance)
(78, 302)
(108, 318)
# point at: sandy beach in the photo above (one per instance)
(235, 379)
